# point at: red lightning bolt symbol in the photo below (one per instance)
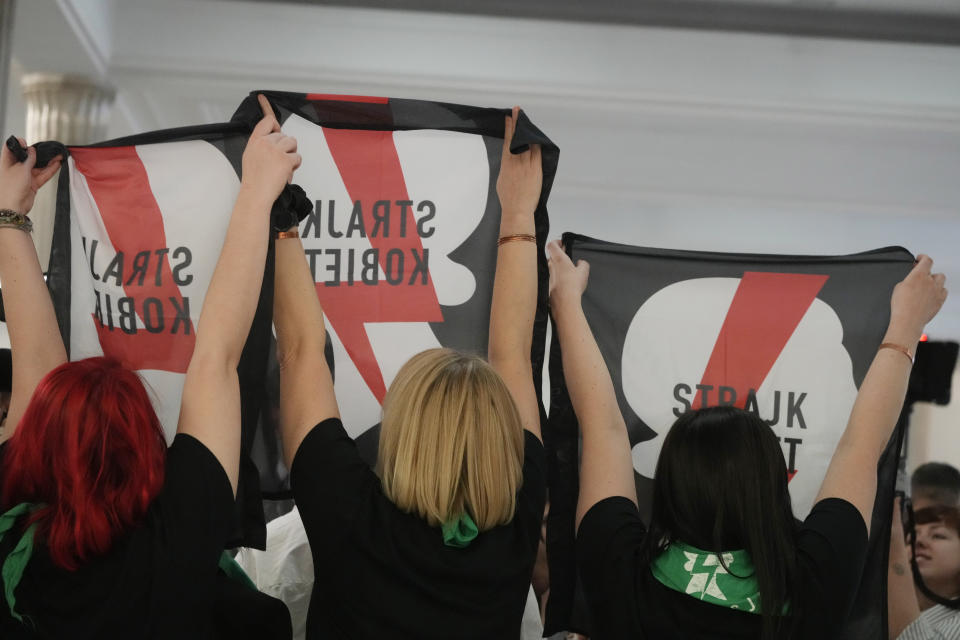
(119, 185)
(371, 171)
(764, 313)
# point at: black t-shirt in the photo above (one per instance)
(158, 581)
(627, 601)
(383, 573)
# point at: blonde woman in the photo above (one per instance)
(441, 541)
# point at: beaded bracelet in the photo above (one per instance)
(14, 220)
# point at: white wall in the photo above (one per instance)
(935, 431)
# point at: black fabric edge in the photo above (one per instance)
(490, 119)
(562, 443)
(175, 134)
(249, 516)
(883, 510)
(893, 253)
(487, 121)
(59, 268)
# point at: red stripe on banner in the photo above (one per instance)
(119, 185)
(371, 171)
(333, 97)
(764, 313)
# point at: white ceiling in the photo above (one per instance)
(674, 138)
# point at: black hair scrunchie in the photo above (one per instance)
(290, 208)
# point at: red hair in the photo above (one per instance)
(91, 449)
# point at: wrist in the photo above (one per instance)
(905, 334)
(565, 305)
(256, 195)
(517, 220)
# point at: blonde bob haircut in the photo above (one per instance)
(451, 440)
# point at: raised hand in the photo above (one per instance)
(917, 299)
(270, 157)
(521, 174)
(567, 281)
(20, 181)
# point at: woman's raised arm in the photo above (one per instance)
(606, 467)
(515, 285)
(210, 410)
(35, 342)
(306, 385)
(852, 474)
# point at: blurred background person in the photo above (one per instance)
(912, 614)
(933, 484)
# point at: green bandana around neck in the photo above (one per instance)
(16, 562)
(459, 532)
(234, 571)
(700, 574)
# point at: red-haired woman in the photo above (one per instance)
(105, 533)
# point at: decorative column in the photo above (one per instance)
(72, 110)
(6, 37)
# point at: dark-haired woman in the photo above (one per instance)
(723, 557)
(912, 615)
(104, 532)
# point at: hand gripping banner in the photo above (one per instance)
(787, 337)
(402, 244)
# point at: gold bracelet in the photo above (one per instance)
(525, 237)
(897, 347)
(290, 233)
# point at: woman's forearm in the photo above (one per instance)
(297, 313)
(585, 371)
(902, 605)
(880, 399)
(306, 383)
(35, 342)
(514, 302)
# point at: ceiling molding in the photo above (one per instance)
(96, 45)
(497, 60)
(223, 79)
(800, 19)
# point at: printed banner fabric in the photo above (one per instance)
(402, 245)
(788, 337)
